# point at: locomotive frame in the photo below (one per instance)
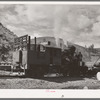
(37, 60)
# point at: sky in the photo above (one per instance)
(78, 24)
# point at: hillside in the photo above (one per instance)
(98, 50)
(6, 41)
(83, 50)
(6, 35)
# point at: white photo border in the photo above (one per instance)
(43, 93)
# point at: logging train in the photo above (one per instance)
(37, 60)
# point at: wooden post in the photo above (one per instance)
(35, 43)
(24, 70)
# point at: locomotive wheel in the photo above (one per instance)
(65, 72)
(27, 73)
(35, 71)
(83, 71)
(30, 73)
(40, 72)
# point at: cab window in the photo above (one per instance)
(42, 48)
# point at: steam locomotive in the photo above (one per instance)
(37, 60)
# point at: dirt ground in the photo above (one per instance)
(16, 82)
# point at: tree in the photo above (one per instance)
(4, 51)
(92, 49)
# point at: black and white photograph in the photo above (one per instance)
(50, 46)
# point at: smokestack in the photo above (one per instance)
(35, 43)
(29, 42)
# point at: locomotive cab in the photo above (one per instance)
(44, 59)
(36, 59)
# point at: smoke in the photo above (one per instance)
(59, 23)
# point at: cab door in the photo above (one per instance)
(20, 56)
